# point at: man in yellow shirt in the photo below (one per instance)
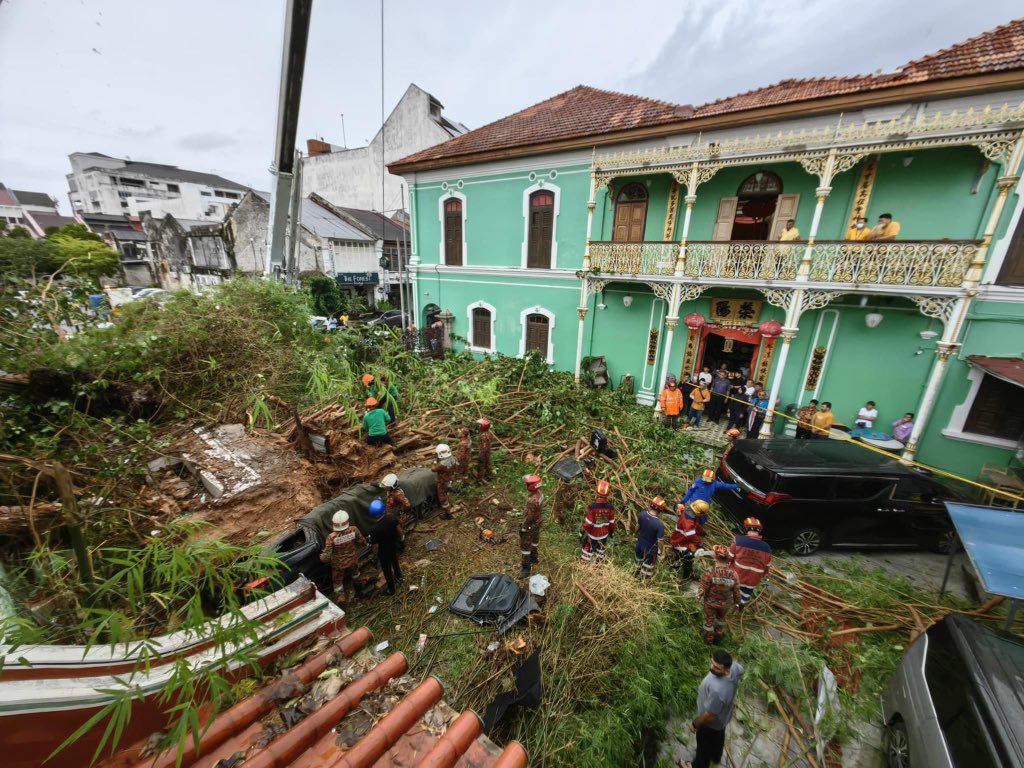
(885, 229)
(822, 421)
(790, 233)
(859, 230)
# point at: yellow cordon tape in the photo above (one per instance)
(936, 470)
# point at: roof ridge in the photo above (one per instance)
(787, 81)
(989, 33)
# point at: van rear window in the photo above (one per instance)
(752, 473)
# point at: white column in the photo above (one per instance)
(671, 321)
(581, 311)
(943, 351)
(787, 336)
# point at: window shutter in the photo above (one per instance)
(785, 208)
(453, 233)
(541, 224)
(1012, 272)
(997, 410)
(482, 328)
(724, 218)
(537, 334)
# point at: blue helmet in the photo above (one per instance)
(376, 508)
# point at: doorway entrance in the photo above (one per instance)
(630, 214)
(737, 350)
(756, 199)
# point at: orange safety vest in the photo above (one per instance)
(671, 401)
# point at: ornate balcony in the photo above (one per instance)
(650, 258)
(933, 263)
(743, 259)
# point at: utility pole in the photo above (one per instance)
(294, 222)
(293, 63)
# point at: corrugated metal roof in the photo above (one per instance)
(381, 226)
(324, 223)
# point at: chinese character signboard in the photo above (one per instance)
(735, 312)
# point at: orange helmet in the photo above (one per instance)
(659, 503)
(721, 553)
(752, 524)
(733, 433)
(532, 482)
(484, 424)
(371, 402)
(680, 508)
(367, 379)
(603, 488)
(700, 507)
(708, 476)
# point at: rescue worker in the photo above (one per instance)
(342, 552)
(719, 591)
(386, 533)
(650, 531)
(386, 394)
(483, 451)
(395, 500)
(375, 422)
(751, 557)
(462, 457)
(704, 487)
(598, 524)
(687, 536)
(529, 533)
(732, 434)
(444, 467)
(671, 402)
(565, 499)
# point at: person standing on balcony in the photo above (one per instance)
(859, 230)
(885, 229)
(671, 402)
(790, 233)
(804, 418)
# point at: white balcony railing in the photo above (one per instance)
(652, 258)
(937, 263)
(743, 260)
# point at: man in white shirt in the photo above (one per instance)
(866, 416)
(705, 376)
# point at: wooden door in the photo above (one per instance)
(453, 233)
(630, 214)
(724, 218)
(785, 209)
(537, 334)
(482, 328)
(541, 226)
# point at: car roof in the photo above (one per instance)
(995, 663)
(789, 456)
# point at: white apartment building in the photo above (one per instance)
(99, 183)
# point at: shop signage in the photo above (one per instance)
(735, 312)
(356, 278)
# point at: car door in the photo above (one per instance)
(929, 520)
(908, 506)
(861, 516)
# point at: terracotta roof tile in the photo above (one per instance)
(1009, 369)
(584, 111)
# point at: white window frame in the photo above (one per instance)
(955, 429)
(490, 349)
(1002, 246)
(538, 310)
(440, 217)
(540, 186)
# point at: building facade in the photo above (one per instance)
(595, 222)
(35, 212)
(115, 186)
(351, 177)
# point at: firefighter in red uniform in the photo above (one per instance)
(598, 524)
(529, 533)
(751, 557)
(719, 591)
(342, 552)
(395, 500)
(688, 535)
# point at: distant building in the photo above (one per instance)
(102, 184)
(395, 236)
(351, 177)
(187, 253)
(126, 236)
(35, 211)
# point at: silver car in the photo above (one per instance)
(957, 699)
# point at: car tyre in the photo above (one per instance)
(947, 542)
(807, 541)
(897, 745)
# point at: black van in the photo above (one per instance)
(815, 493)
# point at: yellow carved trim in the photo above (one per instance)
(672, 211)
(862, 195)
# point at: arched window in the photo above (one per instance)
(537, 330)
(541, 223)
(758, 212)
(453, 232)
(630, 214)
(760, 183)
(482, 328)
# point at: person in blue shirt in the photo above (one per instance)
(758, 410)
(650, 531)
(704, 488)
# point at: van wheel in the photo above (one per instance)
(947, 542)
(897, 745)
(806, 541)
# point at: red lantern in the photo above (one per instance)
(770, 328)
(694, 321)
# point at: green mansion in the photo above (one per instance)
(649, 233)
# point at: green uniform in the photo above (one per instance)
(376, 422)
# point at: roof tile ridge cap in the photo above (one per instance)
(648, 99)
(964, 44)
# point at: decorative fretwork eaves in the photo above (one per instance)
(939, 307)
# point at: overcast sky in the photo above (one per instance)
(194, 82)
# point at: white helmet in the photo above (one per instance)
(443, 451)
(340, 520)
(390, 480)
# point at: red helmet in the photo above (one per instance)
(752, 524)
(603, 487)
(708, 476)
(484, 424)
(532, 482)
(371, 402)
(659, 503)
(733, 433)
(681, 508)
(721, 553)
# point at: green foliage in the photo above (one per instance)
(325, 296)
(19, 233)
(72, 249)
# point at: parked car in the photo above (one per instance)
(815, 493)
(955, 700)
(391, 318)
